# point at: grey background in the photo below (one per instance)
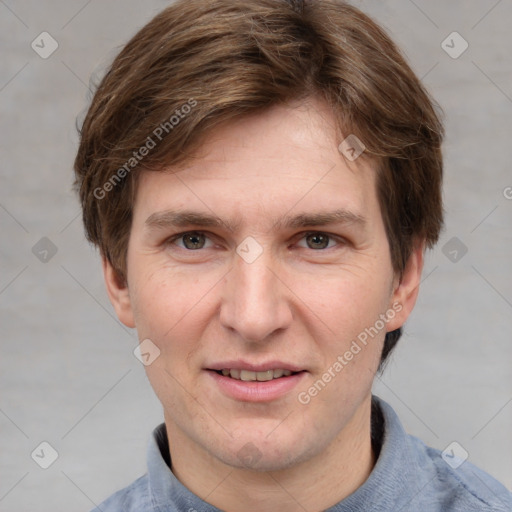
(68, 374)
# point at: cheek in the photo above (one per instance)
(173, 309)
(344, 312)
(346, 302)
(171, 312)
(164, 298)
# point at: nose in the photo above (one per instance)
(256, 303)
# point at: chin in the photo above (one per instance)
(262, 454)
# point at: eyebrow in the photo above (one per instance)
(181, 219)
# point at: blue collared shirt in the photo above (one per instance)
(408, 477)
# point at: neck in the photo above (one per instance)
(314, 485)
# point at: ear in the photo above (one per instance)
(118, 293)
(406, 288)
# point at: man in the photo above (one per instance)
(262, 179)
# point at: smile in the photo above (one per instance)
(248, 375)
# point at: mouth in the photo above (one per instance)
(253, 376)
(245, 382)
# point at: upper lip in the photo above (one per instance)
(254, 367)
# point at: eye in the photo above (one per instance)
(318, 240)
(195, 240)
(191, 240)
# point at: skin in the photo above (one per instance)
(298, 302)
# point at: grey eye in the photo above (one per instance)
(317, 240)
(193, 240)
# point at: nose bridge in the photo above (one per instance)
(255, 303)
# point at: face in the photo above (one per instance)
(263, 258)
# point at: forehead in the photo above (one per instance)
(267, 164)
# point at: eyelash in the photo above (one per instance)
(338, 239)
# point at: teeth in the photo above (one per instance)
(263, 376)
(249, 376)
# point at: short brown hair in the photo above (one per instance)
(225, 59)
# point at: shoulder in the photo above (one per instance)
(461, 486)
(134, 498)
(419, 477)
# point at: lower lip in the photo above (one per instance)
(256, 391)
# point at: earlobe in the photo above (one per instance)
(118, 294)
(406, 289)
